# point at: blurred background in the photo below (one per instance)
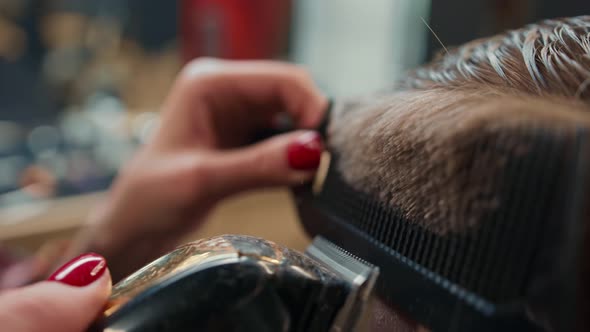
(81, 83)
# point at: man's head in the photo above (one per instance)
(410, 148)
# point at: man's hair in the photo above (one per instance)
(548, 58)
(412, 147)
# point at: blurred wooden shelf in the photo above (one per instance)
(45, 217)
(269, 214)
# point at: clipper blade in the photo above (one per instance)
(359, 274)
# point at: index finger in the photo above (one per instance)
(259, 81)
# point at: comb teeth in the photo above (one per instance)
(345, 264)
(493, 259)
(359, 275)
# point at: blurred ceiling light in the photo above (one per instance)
(55, 162)
(43, 138)
(112, 154)
(107, 113)
(77, 129)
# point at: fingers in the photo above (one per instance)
(259, 81)
(289, 159)
(68, 303)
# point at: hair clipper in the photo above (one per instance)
(242, 283)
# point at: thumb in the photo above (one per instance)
(69, 302)
(288, 159)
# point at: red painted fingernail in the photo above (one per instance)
(80, 271)
(304, 152)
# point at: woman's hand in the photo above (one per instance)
(69, 301)
(197, 156)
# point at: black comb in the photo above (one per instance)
(516, 270)
(322, 128)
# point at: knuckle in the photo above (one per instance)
(196, 177)
(135, 177)
(299, 77)
(265, 165)
(199, 170)
(261, 161)
(302, 69)
(300, 72)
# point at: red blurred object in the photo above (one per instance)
(234, 29)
